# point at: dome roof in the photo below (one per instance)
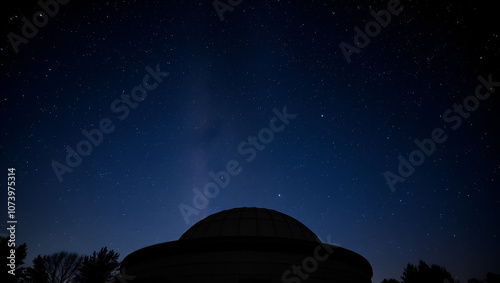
(249, 221)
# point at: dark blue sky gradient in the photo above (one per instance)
(225, 78)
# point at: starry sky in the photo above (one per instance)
(176, 90)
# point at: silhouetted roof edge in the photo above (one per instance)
(267, 244)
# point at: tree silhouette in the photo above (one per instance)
(424, 273)
(99, 267)
(59, 267)
(20, 256)
(390, 281)
(38, 273)
(492, 278)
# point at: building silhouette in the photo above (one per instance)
(246, 245)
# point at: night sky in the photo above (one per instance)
(177, 91)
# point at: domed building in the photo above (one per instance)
(246, 245)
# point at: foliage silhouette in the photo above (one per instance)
(425, 273)
(435, 274)
(20, 254)
(38, 273)
(59, 267)
(99, 267)
(492, 278)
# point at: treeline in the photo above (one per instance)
(102, 266)
(60, 267)
(435, 274)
